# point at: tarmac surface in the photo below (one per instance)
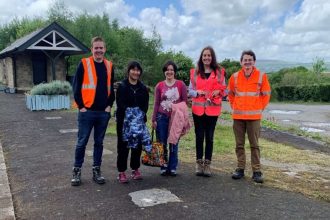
(38, 149)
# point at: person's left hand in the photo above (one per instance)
(216, 93)
(108, 109)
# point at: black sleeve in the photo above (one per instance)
(120, 101)
(76, 86)
(145, 104)
(111, 98)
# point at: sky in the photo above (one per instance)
(288, 30)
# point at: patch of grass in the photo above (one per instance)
(287, 154)
(295, 130)
(111, 130)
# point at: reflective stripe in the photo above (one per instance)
(247, 112)
(205, 104)
(89, 71)
(86, 86)
(247, 94)
(265, 93)
(109, 69)
(260, 81)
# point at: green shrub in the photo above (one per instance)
(305, 93)
(55, 87)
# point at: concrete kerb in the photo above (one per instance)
(6, 202)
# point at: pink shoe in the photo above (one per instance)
(136, 175)
(122, 177)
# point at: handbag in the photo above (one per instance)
(155, 157)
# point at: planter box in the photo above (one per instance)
(47, 102)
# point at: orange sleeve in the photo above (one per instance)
(231, 90)
(265, 91)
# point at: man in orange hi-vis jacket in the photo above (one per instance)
(249, 94)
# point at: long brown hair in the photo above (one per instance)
(214, 64)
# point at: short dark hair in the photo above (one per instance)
(170, 63)
(134, 64)
(248, 52)
(96, 39)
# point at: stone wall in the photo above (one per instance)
(24, 72)
(6, 72)
(60, 70)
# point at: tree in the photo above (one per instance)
(183, 62)
(60, 13)
(318, 66)
(231, 66)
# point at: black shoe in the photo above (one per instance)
(97, 177)
(163, 172)
(172, 173)
(257, 177)
(238, 174)
(76, 174)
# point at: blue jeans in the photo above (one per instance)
(162, 135)
(86, 122)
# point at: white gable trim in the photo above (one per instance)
(54, 41)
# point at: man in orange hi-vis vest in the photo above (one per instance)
(94, 96)
(249, 94)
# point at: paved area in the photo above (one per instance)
(309, 117)
(6, 203)
(38, 149)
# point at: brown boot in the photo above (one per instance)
(199, 167)
(207, 168)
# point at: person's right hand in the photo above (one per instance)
(83, 110)
(201, 92)
(154, 124)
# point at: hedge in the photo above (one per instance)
(316, 93)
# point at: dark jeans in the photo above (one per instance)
(162, 135)
(86, 122)
(123, 151)
(204, 128)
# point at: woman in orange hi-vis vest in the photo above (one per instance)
(249, 94)
(207, 87)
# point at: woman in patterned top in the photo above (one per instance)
(167, 92)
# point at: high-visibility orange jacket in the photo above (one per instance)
(88, 88)
(248, 96)
(208, 104)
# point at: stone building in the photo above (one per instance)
(38, 57)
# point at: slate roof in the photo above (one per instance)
(22, 44)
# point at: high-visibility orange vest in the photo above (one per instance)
(207, 104)
(88, 88)
(248, 96)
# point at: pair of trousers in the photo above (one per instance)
(123, 151)
(252, 128)
(97, 120)
(162, 135)
(204, 129)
